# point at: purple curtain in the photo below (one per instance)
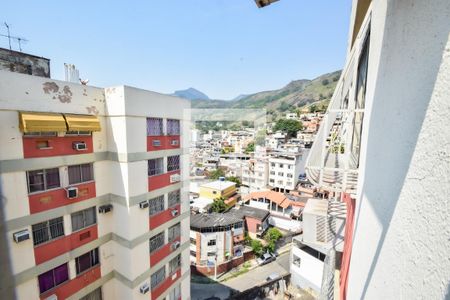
(173, 127)
(46, 281)
(154, 127)
(83, 262)
(52, 177)
(61, 274)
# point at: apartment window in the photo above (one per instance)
(296, 260)
(155, 166)
(154, 126)
(174, 198)
(272, 180)
(211, 254)
(173, 127)
(48, 230)
(78, 133)
(281, 165)
(52, 278)
(80, 173)
(174, 232)
(272, 172)
(38, 133)
(280, 173)
(158, 277)
(289, 175)
(87, 261)
(175, 264)
(175, 294)
(156, 205)
(94, 295)
(156, 242)
(83, 218)
(42, 180)
(272, 164)
(173, 163)
(238, 225)
(193, 241)
(211, 242)
(193, 253)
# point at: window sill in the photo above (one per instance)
(49, 241)
(87, 270)
(89, 226)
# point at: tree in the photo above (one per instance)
(260, 138)
(216, 174)
(257, 247)
(250, 148)
(219, 205)
(235, 180)
(271, 237)
(325, 81)
(290, 127)
(313, 108)
(283, 106)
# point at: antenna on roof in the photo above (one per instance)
(19, 40)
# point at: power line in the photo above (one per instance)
(19, 40)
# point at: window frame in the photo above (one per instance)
(82, 180)
(46, 226)
(173, 131)
(94, 260)
(44, 180)
(173, 198)
(160, 242)
(174, 264)
(158, 277)
(173, 163)
(154, 129)
(174, 232)
(153, 208)
(84, 214)
(55, 284)
(158, 168)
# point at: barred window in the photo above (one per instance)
(173, 163)
(175, 264)
(158, 277)
(48, 230)
(174, 232)
(154, 126)
(174, 198)
(86, 261)
(78, 133)
(156, 205)
(40, 133)
(41, 180)
(80, 173)
(156, 242)
(175, 294)
(173, 127)
(193, 241)
(84, 218)
(212, 242)
(155, 166)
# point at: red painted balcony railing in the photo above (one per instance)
(58, 197)
(54, 146)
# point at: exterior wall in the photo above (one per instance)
(309, 274)
(401, 228)
(20, 62)
(211, 193)
(283, 181)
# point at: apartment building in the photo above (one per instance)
(255, 174)
(284, 169)
(92, 190)
(381, 149)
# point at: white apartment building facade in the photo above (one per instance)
(92, 189)
(284, 169)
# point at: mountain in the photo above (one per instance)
(242, 96)
(296, 94)
(191, 94)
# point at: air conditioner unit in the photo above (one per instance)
(174, 142)
(143, 204)
(175, 245)
(52, 297)
(72, 192)
(21, 236)
(79, 146)
(175, 178)
(145, 288)
(156, 143)
(105, 208)
(174, 212)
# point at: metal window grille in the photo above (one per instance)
(78, 133)
(174, 198)
(173, 127)
(41, 180)
(37, 133)
(48, 230)
(156, 205)
(211, 242)
(174, 232)
(193, 241)
(155, 166)
(94, 295)
(154, 126)
(175, 264)
(158, 277)
(156, 242)
(80, 173)
(84, 218)
(173, 163)
(87, 261)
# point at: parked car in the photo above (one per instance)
(265, 259)
(272, 276)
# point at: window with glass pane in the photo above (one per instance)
(173, 163)
(156, 205)
(174, 232)
(80, 173)
(52, 278)
(173, 127)
(158, 277)
(174, 198)
(175, 264)
(94, 295)
(155, 166)
(175, 294)
(86, 261)
(78, 133)
(48, 230)
(156, 242)
(41, 180)
(84, 218)
(154, 126)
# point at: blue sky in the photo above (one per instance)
(221, 47)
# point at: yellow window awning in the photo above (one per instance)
(41, 122)
(82, 123)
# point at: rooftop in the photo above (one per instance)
(219, 185)
(247, 211)
(213, 220)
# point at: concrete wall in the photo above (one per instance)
(401, 235)
(309, 274)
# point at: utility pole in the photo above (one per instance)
(9, 36)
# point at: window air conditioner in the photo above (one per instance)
(175, 245)
(21, 236)
(156, 143)
(105, 208)
(145, 288)
(175, 178)
(52, 297)
(72, 192)
(174, 212)
(79, 146)
(174, 142)
(143, 204)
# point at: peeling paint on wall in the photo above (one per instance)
(50, 87)
(92, 110)
(64, 96)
